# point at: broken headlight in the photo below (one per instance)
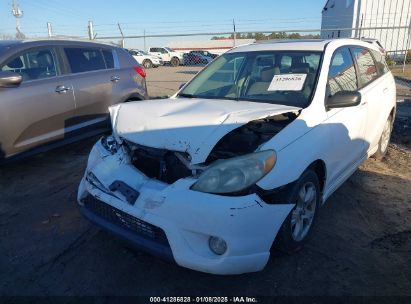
(110, 144)
(236, 174)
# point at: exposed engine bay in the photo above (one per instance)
(170, 166)
(249, 137)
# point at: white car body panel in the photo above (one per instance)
(140, 59)
(349, 142)
(166, 57)
(339, 138)
(161, 204)
(163, 123)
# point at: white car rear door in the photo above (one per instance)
(376, 93)
(346, 125)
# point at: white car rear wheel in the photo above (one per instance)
(384, 140)
(147, 64)
(175, 62)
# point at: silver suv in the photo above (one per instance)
(55, 91)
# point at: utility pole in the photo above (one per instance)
(17, 13)
(234, 33)
(359, 30)
(122, 35)
(90, 30)
(407, 46)
(49, 29)
(145, 49)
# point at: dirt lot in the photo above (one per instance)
(166, 80)
(361, 243)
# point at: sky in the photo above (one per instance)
(70, 17)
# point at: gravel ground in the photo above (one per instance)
(166, 80)
(361, 243)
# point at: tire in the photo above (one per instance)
(292, 236)
(147, 64)
(384, 141)
(175, 62)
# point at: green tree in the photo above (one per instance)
(295, 36)
(260, 36)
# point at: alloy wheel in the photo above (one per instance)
(385, 137)
(303, 214)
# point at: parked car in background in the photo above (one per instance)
(205, 53)
(196, 58)
(168, 55)
(56, 90)
(190, 59)
(145, 59)
(240, 160)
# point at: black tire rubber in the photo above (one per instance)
(380, 153)
(284, 240)
(175, 62)
(147, 64)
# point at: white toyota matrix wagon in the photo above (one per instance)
(240, 160)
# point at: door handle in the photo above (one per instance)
(115, 78)
(62, 89)
(385, 90)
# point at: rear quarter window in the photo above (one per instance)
(380, 62)
(366, 66)
(109, 58)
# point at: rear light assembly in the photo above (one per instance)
(140, 70)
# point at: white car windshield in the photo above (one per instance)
(168, 49)
(280, 77)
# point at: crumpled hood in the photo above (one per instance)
(186, 125)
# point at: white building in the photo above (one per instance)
(364, 15)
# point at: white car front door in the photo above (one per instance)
(165, 55)
(346, 125)
(156, 52)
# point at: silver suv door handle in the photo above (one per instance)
(115, 78)
(62, 89)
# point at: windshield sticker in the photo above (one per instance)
(287, 82)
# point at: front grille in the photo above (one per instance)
(124, 220)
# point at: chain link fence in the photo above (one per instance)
(172, 53)
(184, 54)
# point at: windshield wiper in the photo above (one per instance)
(205, 97)
(187, 95)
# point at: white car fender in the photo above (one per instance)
(296, 146)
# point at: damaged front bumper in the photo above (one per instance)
(175, 222)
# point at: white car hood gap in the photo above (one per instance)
(187, 125)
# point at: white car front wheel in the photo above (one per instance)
(306, 196)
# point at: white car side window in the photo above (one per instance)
(366, 65)
(342, 75)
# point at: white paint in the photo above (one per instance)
(341, 138)
(187, 125)
(140, 57)
(287, 82)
